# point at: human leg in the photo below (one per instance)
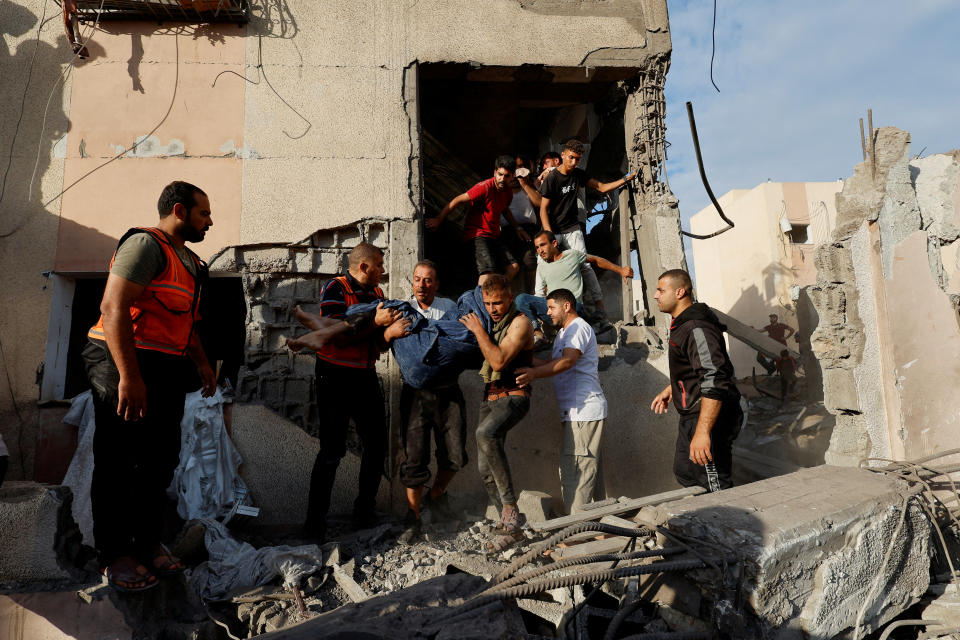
(451, 452)
(580, 463)
(502, 415)
(483, 465)
(332, 383)
(370, 418)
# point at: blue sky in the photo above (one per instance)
(795, 77)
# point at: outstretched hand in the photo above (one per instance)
(432, 224)
(399, 329)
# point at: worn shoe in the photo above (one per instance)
(440, 508)
(411, 530)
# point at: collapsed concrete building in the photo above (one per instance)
(314, 125)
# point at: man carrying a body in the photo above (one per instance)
(505, 403)
(488, 200)
(440, 409)
(138, 356)
(580, 400)
(348, 388)
(701, 387)
(560, 203)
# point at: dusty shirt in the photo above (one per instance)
(564, 273)
(140, 259)
(579, 396)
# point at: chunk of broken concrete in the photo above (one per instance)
(535, 505)
(40, 537)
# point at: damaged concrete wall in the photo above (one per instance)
(888, 338)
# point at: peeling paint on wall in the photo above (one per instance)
(151, 147)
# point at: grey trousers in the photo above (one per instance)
(581, 473)
(496, 420)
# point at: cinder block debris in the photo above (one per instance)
(812, 544)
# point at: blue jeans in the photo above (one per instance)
(535, 308)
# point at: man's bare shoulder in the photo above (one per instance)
(520, 326)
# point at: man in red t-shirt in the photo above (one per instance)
(488, 200)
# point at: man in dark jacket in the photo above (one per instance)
(701, 387)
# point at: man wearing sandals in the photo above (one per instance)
(138, 356)
(505, 403)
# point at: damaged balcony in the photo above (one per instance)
(192, 11)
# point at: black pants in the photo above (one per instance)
(442, 412)
(344, 393)
(3, 468)
(724, 432)
(133, 460)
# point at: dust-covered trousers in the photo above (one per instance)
(497, 417)
(442, 412)
(581, 472)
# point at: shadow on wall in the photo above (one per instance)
(33, 128)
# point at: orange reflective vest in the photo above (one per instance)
(165, 313)
(357, 356)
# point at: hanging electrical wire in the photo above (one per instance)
(706, 184)
(713, 45)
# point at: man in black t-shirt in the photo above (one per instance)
(560, 193)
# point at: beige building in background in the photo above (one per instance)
(758, 267)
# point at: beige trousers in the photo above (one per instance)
(581, 474)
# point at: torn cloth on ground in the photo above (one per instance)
(206, 483)
(436, 351)
(79, 475)
(234, 564)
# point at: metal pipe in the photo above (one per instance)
(706, 184)
(907, 623)
(873, 146)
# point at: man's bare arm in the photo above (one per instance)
(433, 223)
(528, 189)
(519, 337)
(544, 217)
(603, 263)
(550, 368)
(604, 187)
(208, 379)
(118, 296)
(700, 442)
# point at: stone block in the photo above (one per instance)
(840, 390)
(38, 532)
(327, 262)
(535, 505)
(261, 314)
(812, 543)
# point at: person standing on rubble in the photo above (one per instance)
(580, 400)
(701, 387)
(348, 385)
(488, 200)
(505, 402)
(137, 359)
(440, 409)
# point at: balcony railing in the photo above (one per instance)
(194, 11)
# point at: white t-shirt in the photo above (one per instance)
(522, 209)
(579, 396)
(440, 308)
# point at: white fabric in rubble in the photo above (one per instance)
(206, 483)
(234, 564)
(79, 475)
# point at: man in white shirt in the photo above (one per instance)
(580, 400)
(441, 410)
